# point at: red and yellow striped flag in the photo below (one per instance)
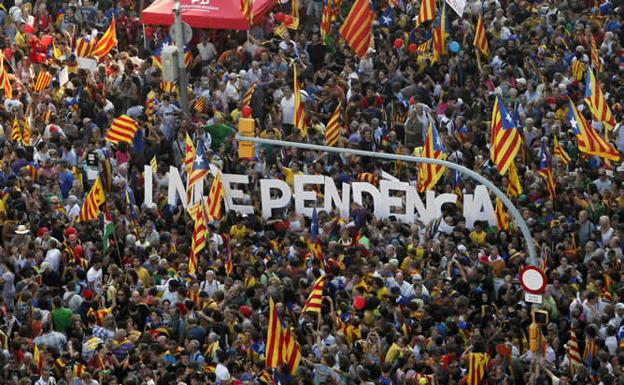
(213, 205)
(16, 133)
(78, 370)
(358, 26)
(229, 264)
(274, 341)
(122, 129)
(315, 299)
(200, 233)
(477, 363)
(299, 117)
(480, 39)
(38, 359)
(427, 11)
(514, 188)
(107, 42)
(199, 105)
(249, 94)
(43, 81)
(595, 59)
(545, 170)
(326, 20)
(368, 177)
(577, 69)
(4, 79)
(560, 152)
(91, 206)
(246, 7)
(332, 131)
(26, 132)
(502, 222)
(189, 157)
(574, 356)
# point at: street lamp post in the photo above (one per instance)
(179, 41)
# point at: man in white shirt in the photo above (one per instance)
(53, 256)
(206, 50)
(287, 106)
(407, 291)
(210, 286)
(94, 276)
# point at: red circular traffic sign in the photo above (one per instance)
(533, 280)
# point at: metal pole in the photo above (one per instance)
(526, 233)
(179, 41)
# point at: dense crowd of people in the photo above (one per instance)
(403, 303)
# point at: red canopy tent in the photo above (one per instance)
(214, 14)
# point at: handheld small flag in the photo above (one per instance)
(154, 164)
(514, 188)
(213, 206)
(596, 101)
(559, 152)
(107, 42)
(429, 174)
(200, 166)
(43, 81)
(502, 222)
(91, 206)
(427, 11)
(315, 299)
(545, 170)
(332, 131)
(480, 39)
(299, 116)
(16, 133)
(358, 26)
(249, 94)
(26, 132)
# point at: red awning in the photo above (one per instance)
(214, 14)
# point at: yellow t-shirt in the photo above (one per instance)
(238, 231)
(289, 176)
(143, 275)
(478, 238)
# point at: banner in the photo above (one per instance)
(457, 5)
(392, 198)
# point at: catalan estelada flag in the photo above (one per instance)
(107, 42)
(545, 170)
(200, 166)
(249, 94)
(590, 351)
(357, 27)
(596, 101)
(332, 130)
(502, 222)
(559, 152)
(85, 46)
(198, 242)
(315, 299)
(439, 34)
(429, 174)
(595, 59)
(189, 156)
(427, 11)
(43, 81)
(514, 188)
(91, 206)
(299, 117)
(480, 39)
(505, 137)
(588, 139)
(213, 205)
(315, 242)
(477, 362)
(122, 129)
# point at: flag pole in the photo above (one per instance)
(115, 239)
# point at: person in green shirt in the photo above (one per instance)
(61, 316)
(219, 132)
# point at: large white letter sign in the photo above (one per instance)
(148, 198)
(176, 185)
(478, 207)
(230, 193)
(333, 199)
(360, 187)
(388, 201)
(268, 204)
(302, 195)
